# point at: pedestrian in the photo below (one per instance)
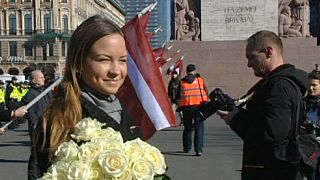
(7, 115)
(36, 111)
(96, 67)
(310, 128)
(267, 124)
(174, 88)
(193, 94)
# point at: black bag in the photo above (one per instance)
(300, 146)
(309, 149)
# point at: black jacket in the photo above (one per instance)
(174, 88)
(35, 112)
(39, 163)
(265, 124)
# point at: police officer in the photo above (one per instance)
(12, 97)
(2, 94)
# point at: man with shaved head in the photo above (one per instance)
(268, 123)
(37, 86)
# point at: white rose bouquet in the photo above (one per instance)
(102, 154)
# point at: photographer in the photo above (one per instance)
(267, 124)
(193, 94)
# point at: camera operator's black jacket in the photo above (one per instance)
(265, 124)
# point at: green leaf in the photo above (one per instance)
(162, 177)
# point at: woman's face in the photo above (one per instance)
(314, 88)
(105, 68)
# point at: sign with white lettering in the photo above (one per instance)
(12, 59)
(237, 19)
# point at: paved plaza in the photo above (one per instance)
(221, 159)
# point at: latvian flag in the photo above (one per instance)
(144, 92)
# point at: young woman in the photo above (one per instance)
(96, 68)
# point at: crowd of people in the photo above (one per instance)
(282, 105)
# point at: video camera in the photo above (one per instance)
(218, 101)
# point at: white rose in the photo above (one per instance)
(110, 133)
(156, 158)
(110, 144)
(126, 175)
(89, 151)
(87, 129)
(78, 170)
(96, 171)
(113, 162)
(134, 149)
(59, 170)
(142, 169)
(67, 151)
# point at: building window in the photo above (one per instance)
(64, 1)
(47, 23)
(44, 51)
(46, 0)
(0, 48)
(28, 23)
(50, 49)
(28, 51)
(12, 24)
(13, 48)
(12, 1)
(63, 48)
(65, 24)
(27, 0)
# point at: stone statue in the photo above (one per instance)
(181, 9)
(302, 12)
(192, 30)
(299, 15)
(287, 26)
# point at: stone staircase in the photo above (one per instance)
(223, 63)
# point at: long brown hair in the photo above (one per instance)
(66, 111)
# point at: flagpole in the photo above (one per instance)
(43, 93)
(147, 9)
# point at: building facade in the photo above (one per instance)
(161, 17)
(34, 34)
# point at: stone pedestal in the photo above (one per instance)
(237, 19)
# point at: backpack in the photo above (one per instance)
(300, 147)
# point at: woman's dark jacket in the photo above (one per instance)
(41, 162)
(266, 123)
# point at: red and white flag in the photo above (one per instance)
(177, 66)
(144, 92)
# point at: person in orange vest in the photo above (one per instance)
(193, 94)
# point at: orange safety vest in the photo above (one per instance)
(193, 94)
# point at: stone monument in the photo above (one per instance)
(237, 19)
(294, 16)
(187, 25)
